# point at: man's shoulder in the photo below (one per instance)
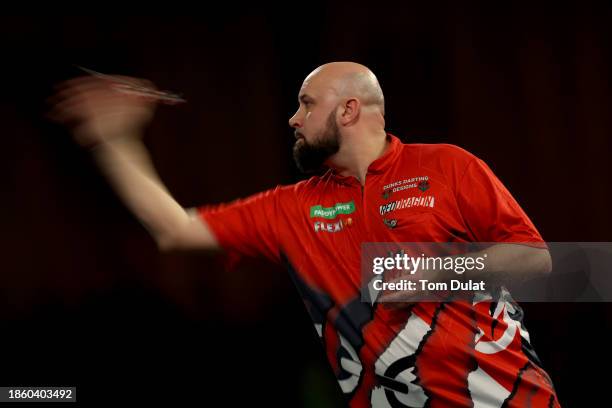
(436, 150)
(442, 158)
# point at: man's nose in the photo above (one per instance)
(295, 121)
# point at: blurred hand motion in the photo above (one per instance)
(98, 109)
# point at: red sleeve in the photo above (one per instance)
(246, 226)
(489, 210)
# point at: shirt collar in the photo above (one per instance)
(378, 166)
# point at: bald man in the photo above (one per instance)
(376, 189)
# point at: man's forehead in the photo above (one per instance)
(307, 85)
(306, 91)
(314, 87)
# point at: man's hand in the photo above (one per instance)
(111, 113)
(98, 110)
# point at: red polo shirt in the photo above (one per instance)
(439, 354)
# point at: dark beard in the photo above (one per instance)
(309, 157)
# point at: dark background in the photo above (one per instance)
(87, 300)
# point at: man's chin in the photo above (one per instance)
(311, 159)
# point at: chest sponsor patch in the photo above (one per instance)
(425, 201)
(332, 212)
(330, 226)
(422, 182)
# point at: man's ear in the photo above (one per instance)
(350, 110)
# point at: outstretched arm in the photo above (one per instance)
(111, 123)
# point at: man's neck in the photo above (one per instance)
(354, 158)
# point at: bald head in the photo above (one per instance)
(340, 119)
(348, 80)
